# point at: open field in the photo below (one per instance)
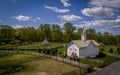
(38, 45)
(47, 67)
(62, 52)
(23, 64)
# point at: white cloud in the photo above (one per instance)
(69, 17)
(103, 23)
(106, 3)
(65, 3)
(14, 1)
(55, 9)
(0, 20)
(17, 26)
(36, 19)
(101, 12)
(118, 16)
(22, 18)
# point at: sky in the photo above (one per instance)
(103, 15)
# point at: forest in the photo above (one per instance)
(53, 33)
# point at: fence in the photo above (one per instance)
(65, 60)
(75, 72)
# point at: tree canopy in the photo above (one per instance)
(54, 33)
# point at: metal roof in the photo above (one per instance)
(81, 44)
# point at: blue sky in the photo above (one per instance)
(103, 15)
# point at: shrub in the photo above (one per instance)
(118, 50)
(102, 49)
(100, 55)
(16, 42)
(111, 50)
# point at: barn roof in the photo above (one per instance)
(45, 42)
(81, 44)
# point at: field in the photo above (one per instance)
(23, 64)
(62, 52)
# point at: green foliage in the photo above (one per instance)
(13, 63)
(53, 33)
(111, 50)
(108, 59)
(118, 50)
(9, 69)
(7, 33)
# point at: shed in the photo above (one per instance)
(45, 42)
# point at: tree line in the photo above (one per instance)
(53, 33)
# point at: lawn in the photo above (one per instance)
(108, 59)
(103, 61)
(38, 45)
(24, 64)
(107, 49)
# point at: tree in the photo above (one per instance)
(56, 33)
(26, 34)
(111, 50)
(69, 29)
(91, 33)
(99, 37)
(7, 33)
(46, 30)
(118, 50)
(78, 33)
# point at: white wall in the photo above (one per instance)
(90, 51)
(71, 49)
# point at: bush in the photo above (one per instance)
(11, 68)
(111, 50)
(2, 43)
(16, 42)
(102, 49)
(118, 50)
(100, 55)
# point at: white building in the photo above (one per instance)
(83, 48)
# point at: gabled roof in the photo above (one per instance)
(45, 42)
(81, 44)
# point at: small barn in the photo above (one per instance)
(45, 42)
(83, 48)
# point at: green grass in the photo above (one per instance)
(107, 48)
(62, 51)
(88, 62)
(37, 45)
(24, 64)
(108, 59)
(3, 53)
(14, 63)
(105, 61)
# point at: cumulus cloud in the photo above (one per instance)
(106, 3)
(0, 20)
(98, 12)
(17, 26)
(103, 23)
(55, 9)
(36, 19)
(69, 17)
(14, 1)
(22, 18)
(65, 3)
